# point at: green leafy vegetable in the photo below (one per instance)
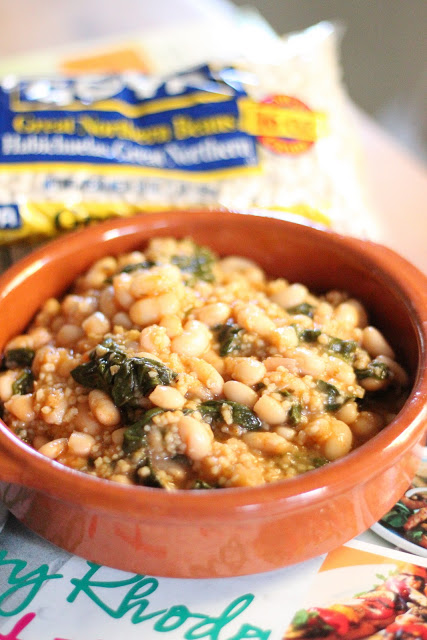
(319, 462)
(229, 337)
(134, 436)
(304, 309)
(130, 268)
(295, 414)
(343, 348)
(198, 265)
(212, 412)
(308, 335)
(24, 383)
(334, 398)
(284, 392)
(303, 617)
(126, 379)
(201, 484)
(16, 358)
(397, 516)
(415, 534)
(375, 369)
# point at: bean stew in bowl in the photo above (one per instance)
(209, 381)
(171, 367)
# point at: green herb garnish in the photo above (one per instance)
(212, 412)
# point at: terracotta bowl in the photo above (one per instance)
(225, 532)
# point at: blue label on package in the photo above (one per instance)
(10, 217)
(189, 122)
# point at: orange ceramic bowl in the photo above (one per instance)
(228, 531)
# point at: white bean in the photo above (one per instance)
(54, 448)
(284, 338)
(21, 407)
(194, 341)
(85, 421)
(121, 284)
(207, 375)
(348, 412)
(96, 324)
(254, 319)
(68, 335)
(367, 424)
(155, 281)
(375, 343)
(362, 316)
(150, 310)
(248, 370)
(270, 410)
(6, 382)
(290, 297)
(267, 442)
(103, 408)
(309, 363)
(167, 397)
(274, 362)
(196, 436)
(339, 443)
(213, 314)
(239, 392)
(80, 443)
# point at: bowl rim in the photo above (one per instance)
(137, 502)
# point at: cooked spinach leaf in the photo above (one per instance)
(308, 335)
(212, 412)
(126, 379)
(295, 414)
(375, 369)
(284, 392)
(16, 358)
(201, 484)
(343, 348)
(135, 437)
(304, 309)
(24, 383)
(130, 268)
(319, 462)
(198, 265)
(229, 338)
(334, 398)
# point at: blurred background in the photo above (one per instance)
(384, 49)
